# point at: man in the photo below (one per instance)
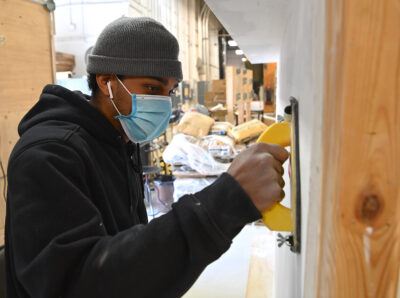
(76, 223)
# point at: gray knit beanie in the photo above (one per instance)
(136, 47)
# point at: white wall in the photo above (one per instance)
(174, 16)
(198, 44)
(300, 74)
(213, 47)
(257, 26)
(78, 25)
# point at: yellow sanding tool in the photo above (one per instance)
(279, 217)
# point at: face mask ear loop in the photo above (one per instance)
(111, 97)
(123, 85)
(133, 97)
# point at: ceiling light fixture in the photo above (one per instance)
(232, 43)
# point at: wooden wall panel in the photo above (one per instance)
(26, 53)
(26, 64)
(270, 76)
(360, 233)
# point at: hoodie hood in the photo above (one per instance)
(61, 104)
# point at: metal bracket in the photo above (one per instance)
(49, 4)
(294, 240)
(288, 240)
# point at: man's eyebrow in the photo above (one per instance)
(163, 81)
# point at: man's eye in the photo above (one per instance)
(172, 92)
(152, 88)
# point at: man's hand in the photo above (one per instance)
(259, 171)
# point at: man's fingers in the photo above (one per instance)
(278, 167)
(281, 181)
(259, 171)
(277, 151)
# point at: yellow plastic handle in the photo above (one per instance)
(277, 217)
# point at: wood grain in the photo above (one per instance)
(240, 107)
(26, 53)
(360, 233)
(230, 100)
(260, 282)
(27, 66)
(248, 109)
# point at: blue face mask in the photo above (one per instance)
(149, 117)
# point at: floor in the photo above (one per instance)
(244, 271)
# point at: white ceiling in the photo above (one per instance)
(256, 25)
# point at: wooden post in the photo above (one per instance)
(248, 109)
(240, 104)
(359, 249)
(26, 67)
(230, 95)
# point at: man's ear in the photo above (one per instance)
(102, 80)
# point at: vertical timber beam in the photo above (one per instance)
(359, 249)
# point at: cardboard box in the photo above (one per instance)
(269, 109)
(195, 124)
(219, 115)
(257, 106)
(64, 62)
(247, 131)
(213, 98)
(219, 86)
(268, 120)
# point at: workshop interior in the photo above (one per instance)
(318, 77)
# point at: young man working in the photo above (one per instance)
(76, 223)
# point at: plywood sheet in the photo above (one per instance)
(26, 64)
(25, 53)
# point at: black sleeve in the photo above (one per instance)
(60, 248)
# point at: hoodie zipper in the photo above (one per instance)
(129, 175)
(134, 172)
(139, 187)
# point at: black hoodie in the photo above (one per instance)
(76, 225)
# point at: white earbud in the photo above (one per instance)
(109, 89)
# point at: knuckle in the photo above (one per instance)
(260, 147)
(268, 158)
(275, 192)
(256, 148)
(273, 175)
(277, 189)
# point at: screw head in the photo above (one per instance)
(51, 6)
(2, 41)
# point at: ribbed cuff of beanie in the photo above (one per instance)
(135, 67)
